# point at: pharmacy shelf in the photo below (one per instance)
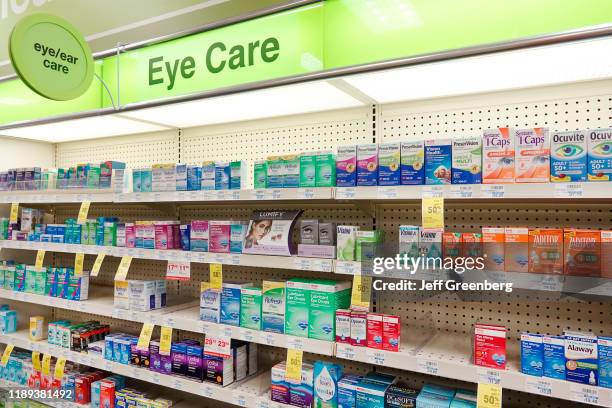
(55, 403)
(246, 393)
(264, 261)
(58, 196)
(450, 356)
(184, 316)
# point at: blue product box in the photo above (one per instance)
(438, 161)
(222, 176)
(302, 395)
(95, 394)
(389, 164)
(236, 172)
(346, 391)
(429, 400)
(237, 234)
(467, 160)
(412, 163)
(136, 180)
(554, 357)
(185, 230)
(181, 177)
(208, 175)
(230, 303)
(370, 394)
(599, 156)
(532, 354)
(604, 350)
(146, 180)
(568, 156)
(439, 390)
(194, 178)
(581, 357)
(326, 377)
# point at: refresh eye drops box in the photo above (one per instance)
(412, 163)
(389, 164)
(273, 306)
(581, 357)
(599, 156)
(467, 160)
(438, 161)
(532, 354)
(568, 156)
(554, 357)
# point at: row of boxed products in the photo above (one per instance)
(324, 385)
(569, 251)
(90, 175)
(578, 357)
(503, 155)
(60, 282)
(140, 295)
(366, 329)
(188, 358)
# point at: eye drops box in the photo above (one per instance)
(237, 175)
(250, 308)
(409, 241)
(208, 175)
(359, 328)
(489, 346)
(391, 333)
(374, 330)
(308, 169)
(346, 166)
(291, 176)
(467, 160)
(532, 155)
(325, 169)
(389, 164)
(222, 176)
(346, 237)
(546, 251)
(581, 357)
(297, 307)
(412, 163)
(581, 252)
(273, 306)
(532, 354)
(367, 165)
(343, 326)
(210, 304)
(498, 156)
(516, 250)
(604, 351)
(438, 161)
(260, 174)
(493, 247)
(430, 242)
(554, 357)
(568, 156)
(326, 296)
(276, 172)
(230, 302)
(606, 254)
(599, 156)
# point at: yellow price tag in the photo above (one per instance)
(14, 213)
(165, 340)
(40, 257)
(46, 364)
(36, 360)
(58, 373)
(145, 336)
(124, 267)
(95, 269)
(293, 372)
(489, 396)
(432, 212)
(83, 211)
(78, 264)
(7, 353)
(361, 292)
(216, 276)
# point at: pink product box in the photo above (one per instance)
(161, 235)
(374, 330)
(343, 326)
(219, 240)
(130, 235)
(391, 333)
(317, 251)
(359, 328)
(176, 235)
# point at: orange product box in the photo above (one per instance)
(516, 249)
(532, 155)
(451, 244)
(493, 248)
(546, 250)
(498, 156)
(606, 254)
(581, 252)
(472, 244)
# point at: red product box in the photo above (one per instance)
(490, 346)
(359, 328)
(343, 326)
(82, 389)
(374, 330)
(391, 333)
(107, 394)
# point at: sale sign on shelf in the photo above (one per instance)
(217, 346)
(178, 271)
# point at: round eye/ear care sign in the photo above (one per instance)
(51, 57)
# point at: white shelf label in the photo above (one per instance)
(295, 343)
(208, 390)
(247, 335)
(264, 402)
(493, 191)
(430, 367)
(219, 258)
(306, 193)
(240, 400)
(375, 356)
(156, 378)
(177, 384)
(459, 191)
(488, 376)
(260, 194)
(540, 386)
(387, 193)
(235, 259)
(276, 194)
(345, 193)
(348, 267)
(346, 352)
(433, 191)
(586, 394)
(228, 331)
(267, 338)
(569, 190)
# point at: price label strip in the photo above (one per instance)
(46, 364)
(95, 269)
(58, 373)
(361, 292)
(79, 259)
(145, 336)
(216, 276)
(178, 270)
(489, 396)
(14, 213)
(432, 212)
(218, 346)
(83, 211)
(7, 354)
(165, 340)
(293, 372)
(40, 257)
(124, 268)
(36, 360)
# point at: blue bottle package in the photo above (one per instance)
(326, 377)
(438, 161)
(554, 357)
(599, 156)
(222, 176)
(532, 354)
(581, 357)
(604, 350)
(568, 156)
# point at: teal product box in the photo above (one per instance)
(308, 169)
(325, 169)
(181, 177)
(136, 181)
(347, 391)
(326, 296)
(208, 175)
(370, 394)
(20, 278)
(237, 233)
(554, 357)
(599, 156)
(275, 168)
(222, 176)
(367, 165)
(400, 396)
(273, 306)
(8, 321)
(467, 160)
(604, 351)
(291, 167)
(194, 178)
(568, 156)
(260, 174)
(428, 400)
(297, 307)
(438, 161)
(439, 390)
(461, 403)
(146, 180)
(326, 377)
(106, 172)
(532, 354)
(230, 303)
(9, 277)
(250, 308)
(93, 175)
(581, 357)
(389, 164)
(237, 175)
(412, 163)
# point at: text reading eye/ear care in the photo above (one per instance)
(55, 59)
(218, 58)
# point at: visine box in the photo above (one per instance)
(389, 164)
(412, 163)
(430, 242)
(599, 156)
(498, 156)
(273, 306)
(532, 155)
(409, 241)
(326, 377)
(346, 237)
(581, 357)
(554, 357)
(297, 307)
(532, 354)
(568, 156)
(604, 351)
(467, 160)
(230, 302)
(346, 166)
(438, 161)
(367, 165)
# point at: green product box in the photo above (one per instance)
(366, 244)
(40, 282)
(2, 272)
(325, 169)
(110, 233)
(297, 307)
(308, 170)
(9, 277)
(260, 174)
(92, 227)
(93, 175)
(250, 308)
(29, 285)
(326, 296)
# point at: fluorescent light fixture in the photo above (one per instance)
(280, 101)
(541, 66)
(81, 129)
